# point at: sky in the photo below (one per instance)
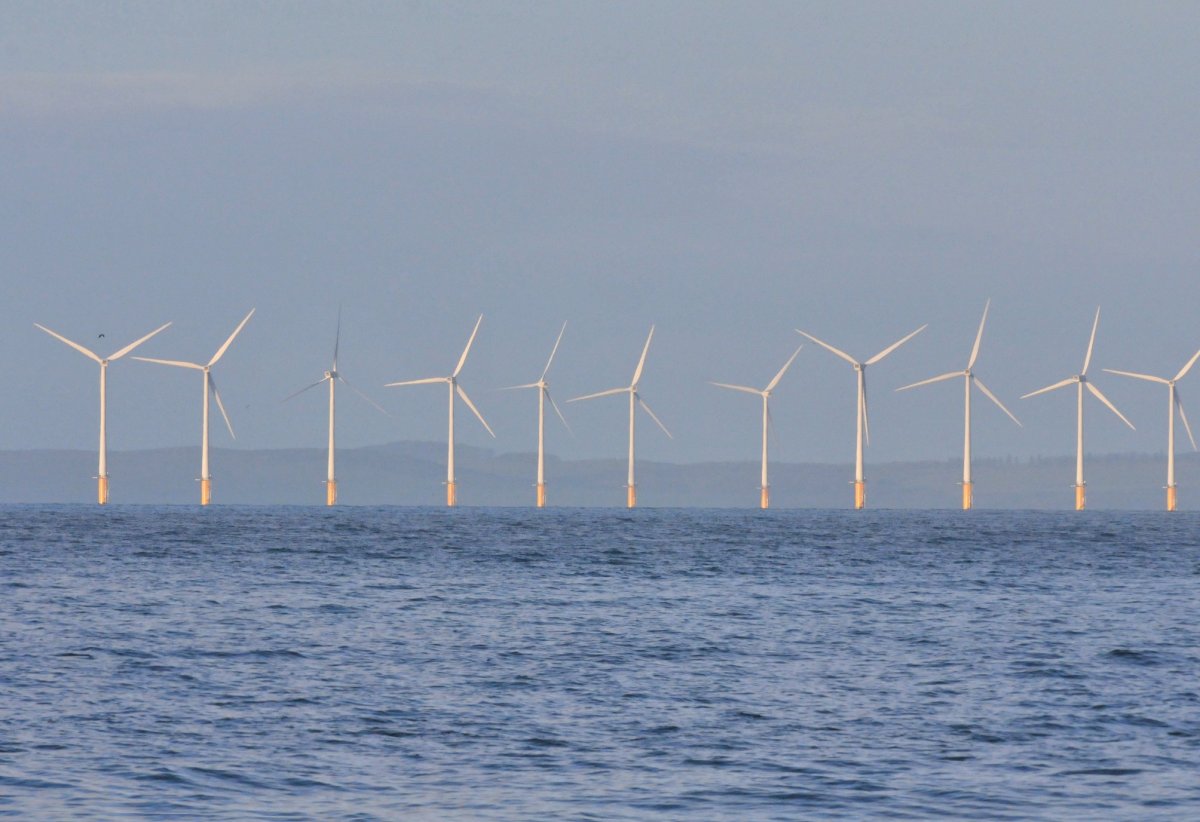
(728, 172)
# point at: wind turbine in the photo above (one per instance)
(102, 473)
(1173, 402)
(543, 395)
(455, 388)
(635, 399)
(1081, 380)
(765, 393)
(969, 379)
(333, 376)
(862, 426)
(210, 385)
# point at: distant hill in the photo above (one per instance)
(411, 473)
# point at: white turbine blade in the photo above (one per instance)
(74, 345)
(979, 335)
(354, 388)
(302, 390)
(1183, 416)
(217, 396)
(1100, 396)
(463, 359)
(646, 408)
(607, 393)
(176, 363)
(136, 343)
(517, 387)
(775, 380)
(1187, 367)
(866, 419)
(221, 351)
(1059, 384)
(894, 346)
(637, 372)
(1147, 377)
(426, 381)
(1087, 359)
(553, 351)
(994, 399)
(557, 410)
(337, 338)
(829, 347)
(474, 410)
(744, 388)
(938, 378)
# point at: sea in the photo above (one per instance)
(294, 663)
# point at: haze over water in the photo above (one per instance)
(384, 663)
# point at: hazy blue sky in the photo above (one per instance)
(729, 171)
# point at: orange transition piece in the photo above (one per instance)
(860, 496)
(968, 495)
(1170, 497)
(765, 502)
(631, 497)
(331, 492)
(205, 491)
(541, 495)
(1080, 497)
(451, 494)
(102, 490)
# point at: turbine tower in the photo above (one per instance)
(862, 426)
(765, 393)
(333, 376)
(102, 473)
(635, 400)
(210, 386)
(543, 395)
(455, 388)
(1173, 402)
(1081, 380)
(969, 379)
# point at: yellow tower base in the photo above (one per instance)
(1170, 497)
(631, 497)
(102, 490)
(860, 496)
(968, 495)
(205, 491)
(1080, 497)
(765, 501)
(541, 495)
(331, 492)
(451, 494)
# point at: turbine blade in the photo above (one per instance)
(354, 388)
(557, 410)
(1147, 377)
(426, 381)
(1183, 416)
(463, 359)
(177, 363)
(1087, 359)
(938, 378)
(1059, 384)
(337, 338)
(894, 346)
(212, 384)
(607, 393)
(866, 418)
(1100, 396)
(136, 343)
(775, 380)
(979, 335)
(1187, 367)
(516, 387)
(646, 408)
(979, 383)
(474, 410)
(221, 351)
(553, 351)
(637, 372)
(744, 388)
(829, 347)
(74, 345)
(302, 390)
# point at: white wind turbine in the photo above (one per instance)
(333, 376)
(1081, 380)
(455, 388)
(210, 386)
(635, 400)
(102, 474)
(1173, 402)
(765, 393)
(543, 395)
(969, 379)
(862, 426)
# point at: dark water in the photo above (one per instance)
(289, 663)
